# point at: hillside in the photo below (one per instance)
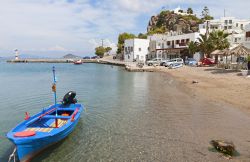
(71, 56)
(169, 21)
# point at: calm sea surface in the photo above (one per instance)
(129, 117)
(113, 99)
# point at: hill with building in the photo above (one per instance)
(176, 21)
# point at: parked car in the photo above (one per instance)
(207, 61)
(163, 62)
(173, 61)
(95, 57)
(155, 61)
(191, 62)
(86, 57)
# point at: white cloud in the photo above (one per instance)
(32, 25)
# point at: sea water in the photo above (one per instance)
(111, 95)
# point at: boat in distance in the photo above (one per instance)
(78, 62)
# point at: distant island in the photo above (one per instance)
(71, 56)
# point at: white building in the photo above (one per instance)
(235, 27)
(180, 11)
(136, 49)
(170, 45)
(247, 36)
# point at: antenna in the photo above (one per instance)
(224, 12)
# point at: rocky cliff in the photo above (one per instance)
(169, 21)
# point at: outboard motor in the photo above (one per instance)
(69, 98)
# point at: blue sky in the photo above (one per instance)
(57, 27)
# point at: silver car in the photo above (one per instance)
(155, 61)
(173, 61)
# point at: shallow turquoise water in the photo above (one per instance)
(129, 117)
(111, 96)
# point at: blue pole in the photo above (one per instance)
(54, 77)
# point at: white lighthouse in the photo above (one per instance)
(16, 54)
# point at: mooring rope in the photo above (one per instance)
(13, 155)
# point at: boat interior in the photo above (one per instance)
(47, 122)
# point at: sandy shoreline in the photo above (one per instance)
(215, 84)
(218, 85)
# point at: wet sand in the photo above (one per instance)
(189, 121)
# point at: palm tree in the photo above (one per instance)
(205, 45)
(220, 41)
(219, 38)
(192, 48)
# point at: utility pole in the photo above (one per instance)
(207, 29)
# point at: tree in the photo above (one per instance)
(205, 14)
(156, 30)
(121, 38)
(108, 49)
(216, 40)
(192, 48)
(99, 51)
(142, 36)
(190, 11)
(205, 45)
(219, 38)
(205, 11)
(181, 11)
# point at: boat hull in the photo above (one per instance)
(28, 147)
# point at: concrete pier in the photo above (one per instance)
(128, 66)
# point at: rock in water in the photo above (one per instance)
(223, 146)
(194, 81)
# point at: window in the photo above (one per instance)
(187, 40)
(226, 21)
(225, 27)
(162, 45)
(131, 49)
(248, 34)
(230, 21)
(241, 26)
(168, 43)
(139, 49)
(237, 24)
(126, 49)
(230, 27)
(177, 41)
(235, 39)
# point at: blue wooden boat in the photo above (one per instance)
(46, 128)
(40, 131)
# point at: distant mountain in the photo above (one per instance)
(71, 56)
